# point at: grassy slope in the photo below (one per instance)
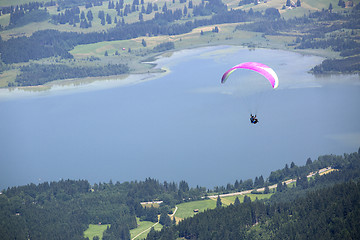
(95, 230)
(142, 226)
(187, 209)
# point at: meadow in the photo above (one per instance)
(186, 210)
(95, 230)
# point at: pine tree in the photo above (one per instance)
(165, 219)
(89, 15)
(267, 190)
(237, 201)
(218, 202)
(108, 19)
(247, 199)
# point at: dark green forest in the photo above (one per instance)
(323, 207)
(37, 74)
(64, 209)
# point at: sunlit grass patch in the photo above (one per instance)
(4, 20)
(95, 230)
(252, 196)
(8, 77)
(187, 209)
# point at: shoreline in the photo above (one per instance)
(137, 75)
(146, 62)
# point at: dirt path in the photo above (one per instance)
(148, 229)
(176, 208)
(145, 231)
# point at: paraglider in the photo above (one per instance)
(264, 70)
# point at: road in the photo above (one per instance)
(270, 187)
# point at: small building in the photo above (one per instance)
(349, 4)
(196, 210)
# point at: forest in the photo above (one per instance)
(37, 74)
(327, 205)
(315, 32)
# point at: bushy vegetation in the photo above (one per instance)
(164, 47)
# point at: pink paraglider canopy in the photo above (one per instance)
(257, 67)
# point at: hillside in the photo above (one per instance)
(102, 38)
(65, 209)
(324, 207)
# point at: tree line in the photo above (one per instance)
(38, 74)
(64, 209)
(291, 171)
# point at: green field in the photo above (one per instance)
(228, 200)
(95, 230)
(187, 209)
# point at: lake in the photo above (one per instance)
(182, 125)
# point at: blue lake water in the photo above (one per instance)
(183, 125)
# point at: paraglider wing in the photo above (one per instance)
(264, 70)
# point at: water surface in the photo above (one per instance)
(184, 125)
